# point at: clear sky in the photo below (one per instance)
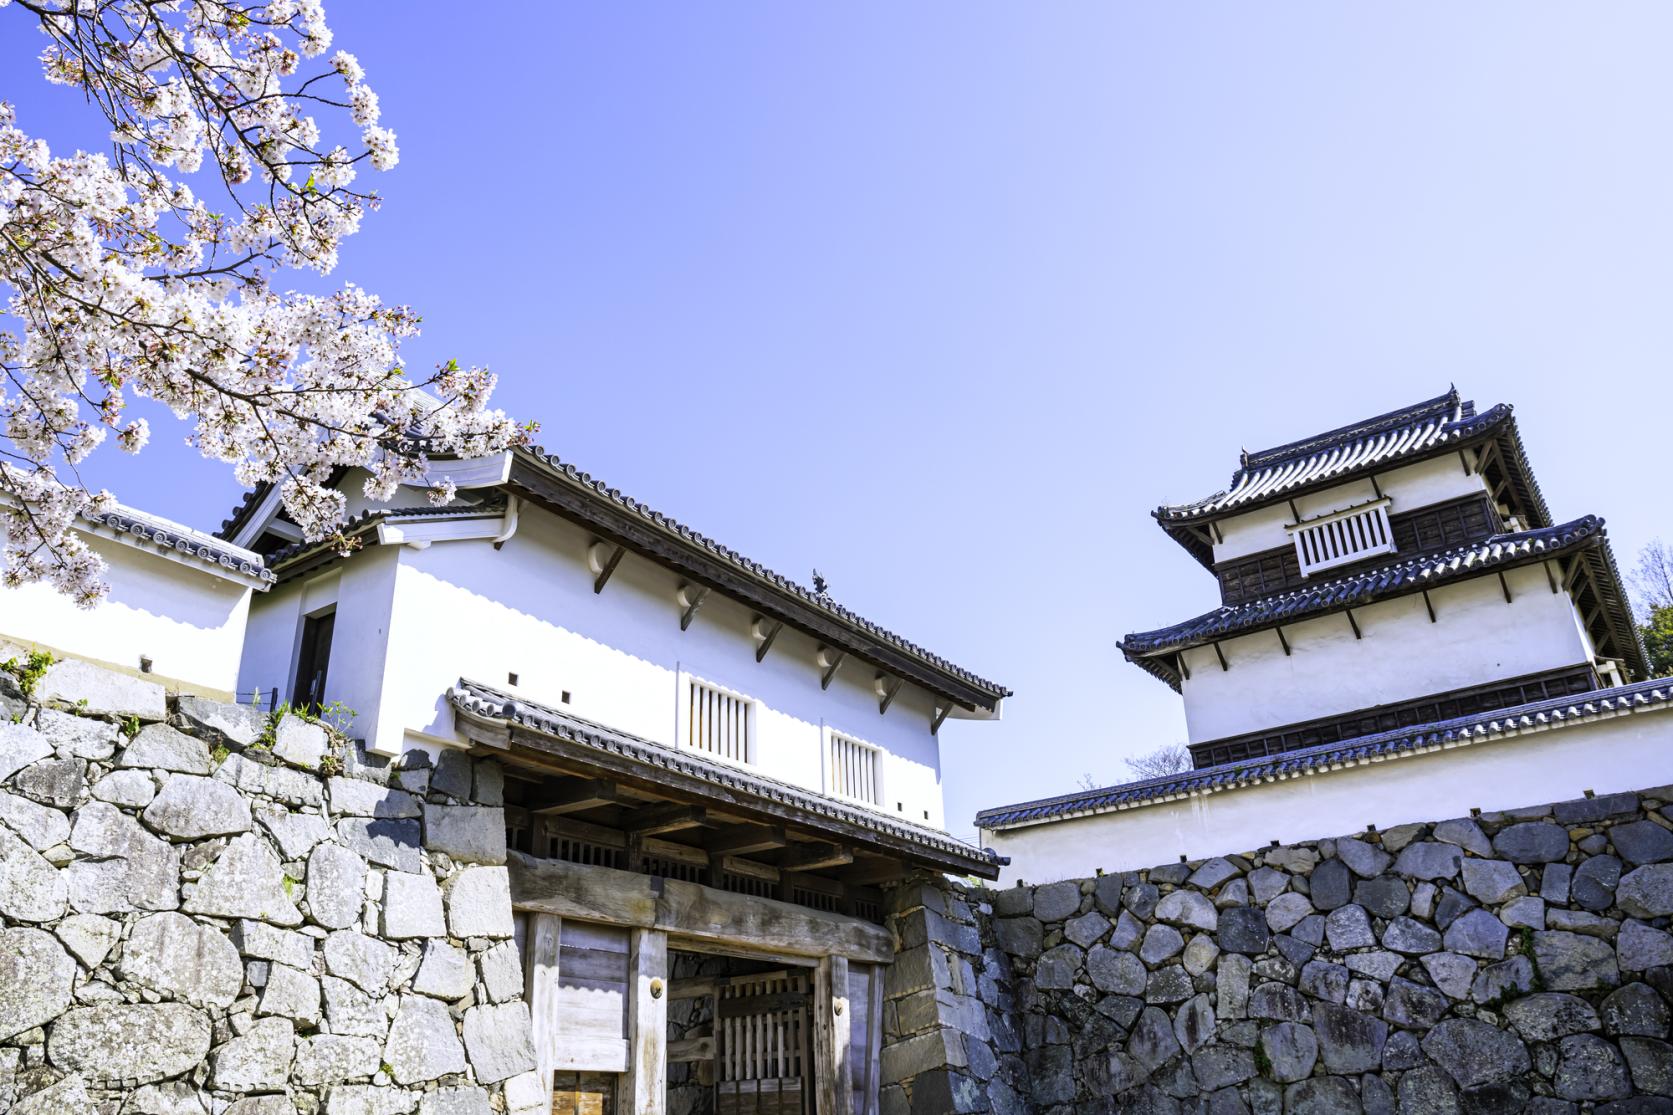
(944, 298)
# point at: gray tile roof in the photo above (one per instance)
(1397, 578)
(126, 521)
(1645, 696)
(487, 703)
(289, 560)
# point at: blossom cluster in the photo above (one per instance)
(126, 283)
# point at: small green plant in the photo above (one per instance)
(130, 727)
(81, 704)
(1263, 1063)
(29, 671)
(219, 754)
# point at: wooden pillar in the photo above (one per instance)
(540, 987)
(831, 1019)
(644, 1088)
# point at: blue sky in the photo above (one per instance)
(945, 298)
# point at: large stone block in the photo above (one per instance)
(479, 902)
(183, 959)
(391, 843)
(259, 1060)
(100, 692)
(31, 889)
(245, 882)
(412, 907)
(136, 1043)
(498, 1041)
(36, 978)
(191, 807)
(337, 886)
(467, 833)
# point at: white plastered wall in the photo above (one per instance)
(188, 622)
(1476, 638)
(1624, 752)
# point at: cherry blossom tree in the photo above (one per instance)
(146, 271)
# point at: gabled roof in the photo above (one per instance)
(1154, 650)
(1444, 424)
(732, 784)
(547, 481)
(1645, 696)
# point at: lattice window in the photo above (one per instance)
(1342, 537)
(856, 770)
(719, 722)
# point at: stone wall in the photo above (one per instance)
(1506, 962)
(205, 913)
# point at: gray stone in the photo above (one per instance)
(97, 691)
(184, 959)
(1546, 1016)
(1465, 833)
(364, 961)
(1595, 881)
(89, 937)
(1329, 884)
(1579, 921)
(299, 742)
(1214, 872)
(265, 942)
(479, 902)
(31, 889)
(1412, 1005)
(1193, 1025)
(454, 1101)
(1280, 1002)
(1057, 967)
(1505, 980)
(160, 747)
(69, 1094)
(386, 842)
(1590, 1068)
(291, 994)
(1427, 859)
(1365, 995)
(337, 886)
(489, 788)
(1051, 903)
(1171, 874)
(1639, 947)
(36, 977)
(348, 1010)
(1323, 980)
(1363, 859)
(1532, 842)
(61, 783)
(1291, 1050)
(371, 1099)
(1321, 1095)
(1152, 1042)
(1231, 986)
(1524, 913)
(191, 807)
(1106, 894)
(1452, 973)
(1200, 954)
(1160, 943)
(1492, 880)
(1571, 962)
(19, 747)
(295, 833)
(1296, 859)
(1349, 927)
(1115, 972)
(422, 1044)
(292, 787)
(1294, 951)
(1554, 880)
(1402, 1052)
(1309, 929)
(498, 1041)
(1349, 1040)
(1651, 1063)
(259, 1059)
(131, 1043)
(133, 788)
(1017, 936)
(1222, 1066)
(1287, 909)
(1182, 907)
(334, 1058)
(1641, 842)
(1477, 933)
(1585, 811)
(1379, 965)
(1267, 883)
(1452, 903)
(173, 1098)
(40, 825)
(446, 973)
(476, 834)
(139, 870)
(502, 972)
(1635, 1009)
(452, 774)
(1127, 933)
(1647, 892)
(412, 907)
(220, 722)
(1474, 1053)
(1411, 937)
(356, 798)
(1243, 929)
(1140, 900)
(246, 881)
(1087, 928)
(1168, 985)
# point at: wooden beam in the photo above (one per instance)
(540, 988)
(691, 1049)
(604, 573)
(672, 817)
(1221, 655)
(1465, 461)
(872, 872)
(572, 797)
(695, 987)
(1179, 662)
(831, 1020)
(1376, 487)
(813, 857)
(1282, 641)
(691, 912)
(741, 840)
(939, 718)
(1504, 585)
(692, 597)
(1550, 577)
(767, 639)
(1430, 604)
(889, 694)
(1353, 623)
(1218, 538)
(644, 1089)
(748, 868)
(830, 671)
(1295, 512)
(871, 1095)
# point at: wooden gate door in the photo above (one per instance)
(763, 1029)
(583, 1093)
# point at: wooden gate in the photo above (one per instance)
(763, 1030)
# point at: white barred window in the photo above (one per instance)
(856, 770)
(1343, 537)
(719, 722)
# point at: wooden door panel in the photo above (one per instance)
(583, 1093)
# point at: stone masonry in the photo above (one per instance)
(206, 913)
(1504, 962)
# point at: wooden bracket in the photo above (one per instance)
(1376, 487)
(1430, 604)
(673, 817)
(691, 597)
(940, 716)
(1184, 670)
(607, 568)
(1465, 461)
(1293, 509)
(767, 639)
(1219, 538)
(571, 797)
(744, 839)
(889, 693)
(830, 671)
(1282, 641)
(813, 857)
(1354, 623)
(1550, 577)
(1221, 655)
(1504, 585)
